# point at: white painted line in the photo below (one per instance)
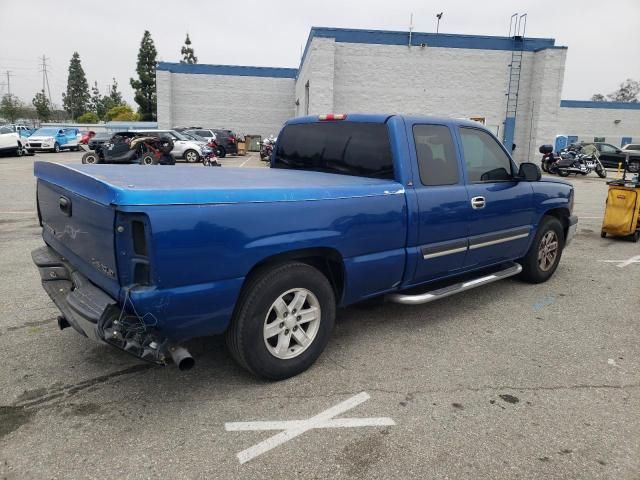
(295, 428)
(623, 263)
(242, 164)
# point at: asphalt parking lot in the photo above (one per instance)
(506, 381)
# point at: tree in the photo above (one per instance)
(145, 85)
(628, 92)
(97, 103)
(43, 106)
(187, 52)
(113, 99)
(122, 113)
(598, 97)
(76, 100)
(11, 107)
(88, 117)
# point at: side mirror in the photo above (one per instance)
(618, 150)
(529, 172)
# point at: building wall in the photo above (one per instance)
(245, 104)
(318, 71)
(588, 123)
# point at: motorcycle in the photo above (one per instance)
(548, 157)
(266, 148)
(209, 157)
(582, 163)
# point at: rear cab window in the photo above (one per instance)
(437, 161)
(342, 147)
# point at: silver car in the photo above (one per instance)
(183, 147)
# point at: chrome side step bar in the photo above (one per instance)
(427, 297)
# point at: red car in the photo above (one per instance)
(86, 136)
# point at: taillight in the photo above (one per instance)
(332, 116)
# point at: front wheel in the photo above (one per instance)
(148, 159)
(191, 156)
(56, 147)
(90, 158)
(563, 173)
(602, 172)
(284, 320)
(542, 259)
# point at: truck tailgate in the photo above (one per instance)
(82, 230)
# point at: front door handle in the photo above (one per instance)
(478, 202)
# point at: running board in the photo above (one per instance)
(427, 297)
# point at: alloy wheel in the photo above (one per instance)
(548, 250)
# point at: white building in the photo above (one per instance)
(511, 84)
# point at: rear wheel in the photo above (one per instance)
(542, 259)
(148, 159)
(283, 321)
(635, 237)
(603, 234)
(563, 173)
(90, 158)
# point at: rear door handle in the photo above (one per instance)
(478, 202)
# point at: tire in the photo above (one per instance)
(148, 159)
(563, 173)
(256, 309)
(635, 237)
(191, 156)
(19, 151)
(56, 148)
(602, 173)
(90, 158)
(545, 167)
(538, 271)
(222, 152)
(603, 234)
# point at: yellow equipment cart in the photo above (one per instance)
(623, 205)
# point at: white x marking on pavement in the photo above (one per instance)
(295, 428)
(624, 263)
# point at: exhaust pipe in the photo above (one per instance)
(182, 358)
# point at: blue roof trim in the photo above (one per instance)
(443, 40)
(592, 104)
(233, 70)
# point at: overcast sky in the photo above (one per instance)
(603, 37)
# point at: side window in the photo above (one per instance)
(607, 148)
(484, 159)
(436, 154)
(5, 130)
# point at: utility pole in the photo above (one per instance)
(45, 77)
(9, 75)
(439, 16)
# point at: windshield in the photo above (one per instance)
(178, 135)
(45, 132)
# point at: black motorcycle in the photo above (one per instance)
(579, 160)
(548, 157)
(132, 147)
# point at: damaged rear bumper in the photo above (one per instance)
(94, 313)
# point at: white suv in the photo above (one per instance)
(183, 147)
(11, 141)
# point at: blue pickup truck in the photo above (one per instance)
(412, 209)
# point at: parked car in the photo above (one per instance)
(353, 207)
(53, 139)
(85, 136)
(11, 141)
(634, 148)
(183, 147)
(610, 155)
(20, 129)
(226, 139)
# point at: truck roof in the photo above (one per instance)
(383, 118)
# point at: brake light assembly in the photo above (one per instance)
(332, 116)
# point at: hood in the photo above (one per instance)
(182, 185)
(41, 137)
(547, 179)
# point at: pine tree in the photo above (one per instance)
(115, 95)
(77, 99)
(97, 101)
(42, 105)
(145, 85)
(187, 52)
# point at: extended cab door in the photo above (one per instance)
(443, 203)
(502, 212)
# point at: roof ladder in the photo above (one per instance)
(518, 27)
